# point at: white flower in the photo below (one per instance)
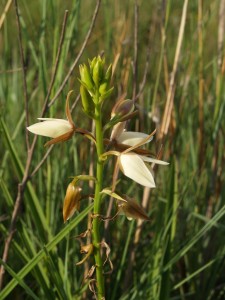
(134, 165)
(58, 129)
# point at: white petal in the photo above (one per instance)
(134, 167)
(153, 160)
(132, 138)
(50, 127)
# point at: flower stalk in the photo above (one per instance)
(97, 204)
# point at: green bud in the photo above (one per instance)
(92, 64)
(97, 73)
(87, 101)
(103, 88)
(106, 94)
(86, 77)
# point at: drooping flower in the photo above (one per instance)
(127, 205)
(132, 209)
(133, 164)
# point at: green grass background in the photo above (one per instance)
(180, 253)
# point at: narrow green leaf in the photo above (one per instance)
(41, 254)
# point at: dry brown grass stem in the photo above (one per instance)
(221, 33)
(3, 16)
(170, 96)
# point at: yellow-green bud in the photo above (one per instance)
(97, 73)
(85, 77)
(87, 101)
(103, 88)
(92, 64)
(106, 94)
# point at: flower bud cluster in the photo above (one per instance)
(95, 84)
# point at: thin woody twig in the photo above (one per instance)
(78, 55)
(45, 107)
(42, 161)
(23, 73)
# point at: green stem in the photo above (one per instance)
(97, 205)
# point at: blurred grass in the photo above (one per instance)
(180, 254)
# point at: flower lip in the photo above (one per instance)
(133, 166)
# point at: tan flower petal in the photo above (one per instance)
(62, 138)
(133, 210)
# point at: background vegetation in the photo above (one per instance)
(176, 76)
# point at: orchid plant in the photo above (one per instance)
(132, 159)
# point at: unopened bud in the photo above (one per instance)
(103, 88)
(87, 101)
(97, 73)
(92, 64)
(85, 77)
(71, 201)
(123, 108)
(106, 94)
